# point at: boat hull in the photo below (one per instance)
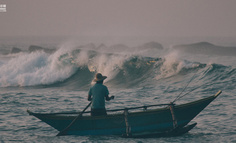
(153, 121)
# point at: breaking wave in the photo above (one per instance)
(75, 68)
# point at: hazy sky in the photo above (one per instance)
(118, 18)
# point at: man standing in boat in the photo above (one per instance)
(97, 95)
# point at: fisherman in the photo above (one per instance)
(97, 94)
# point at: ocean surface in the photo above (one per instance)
(149, 73)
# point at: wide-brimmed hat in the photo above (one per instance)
(99, 77)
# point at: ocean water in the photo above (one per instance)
(140, 75)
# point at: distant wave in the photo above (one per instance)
(206, 49)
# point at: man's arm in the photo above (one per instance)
(107, 97)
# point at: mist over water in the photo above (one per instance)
(148, 73)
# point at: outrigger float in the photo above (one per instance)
(170, 120)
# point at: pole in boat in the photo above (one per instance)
(128, 128)
(63, 132)
(175, 123)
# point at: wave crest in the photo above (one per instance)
(76, 68)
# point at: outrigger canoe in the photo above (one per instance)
(170, 120)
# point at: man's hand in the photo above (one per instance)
(109, 98)
(112, 97)
(89, 98)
